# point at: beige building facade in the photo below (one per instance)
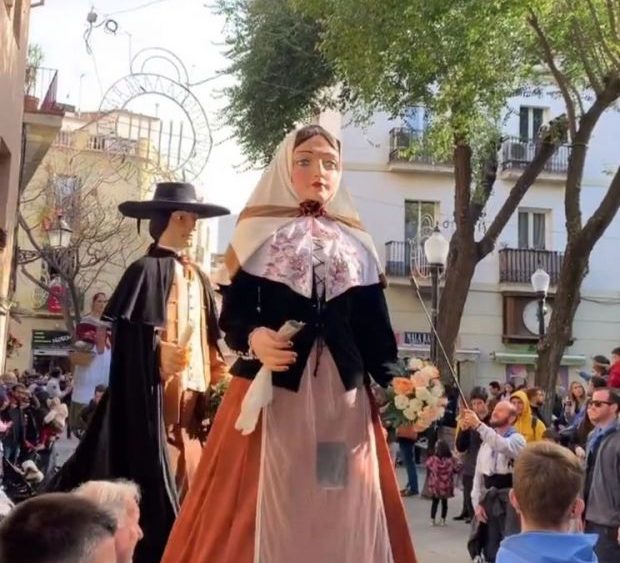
(84, 176)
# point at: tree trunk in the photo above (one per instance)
(71, 307)
(462, 263)
(559, 333)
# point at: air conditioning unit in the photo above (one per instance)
(517, 151)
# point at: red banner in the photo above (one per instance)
(54, 301)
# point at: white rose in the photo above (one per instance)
(432, 400)
(416, 405)
(401, 402)
(437, 390)
(410, 414)
(423, 394)
(415, 364)
(441, 412)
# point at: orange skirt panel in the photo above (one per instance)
(217, 521)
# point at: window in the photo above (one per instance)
(530, 121)
(64, 196)
(417, 118)
(64, 190)
(420, 219)
(532, 229)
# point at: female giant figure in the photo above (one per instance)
(313, 482)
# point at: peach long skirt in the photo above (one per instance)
(313, 483)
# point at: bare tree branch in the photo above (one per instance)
(101, 241)
(560, 79)
(34, 279)
(582, 51)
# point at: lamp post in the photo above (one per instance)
(436, 250)
(540, 285)
(60, 234)
(59, 241)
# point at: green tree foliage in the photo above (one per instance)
(280, 74)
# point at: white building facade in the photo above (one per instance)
(400, 198)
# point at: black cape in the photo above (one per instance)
(126, 438)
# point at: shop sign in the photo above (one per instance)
(57, 339)
(414, 338)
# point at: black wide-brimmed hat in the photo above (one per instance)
(171, 196)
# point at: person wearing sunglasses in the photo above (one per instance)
(602, 485)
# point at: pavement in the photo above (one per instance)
(435, 544)
(432, 544)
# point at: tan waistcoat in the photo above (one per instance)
(173, 386)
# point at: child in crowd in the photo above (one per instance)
(546, 483)
(441, 468)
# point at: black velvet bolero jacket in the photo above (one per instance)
(355, 326)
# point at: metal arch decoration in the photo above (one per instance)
(142, 58)
(164, 150)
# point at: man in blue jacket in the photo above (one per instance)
(546, 483)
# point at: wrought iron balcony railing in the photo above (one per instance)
(517, 153)
(516, 265)
(410, 145)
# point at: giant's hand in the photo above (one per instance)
(173, 358)
(272, 350)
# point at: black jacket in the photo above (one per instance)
(355, 326)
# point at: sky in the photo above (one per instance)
(188, 28)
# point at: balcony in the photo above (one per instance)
(42, 119)
(410, 152)
(402, 259)
(516, 265)
(518, 153)
(84, 141)
(42, 90)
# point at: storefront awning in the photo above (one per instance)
(424, 352)
(526, 358)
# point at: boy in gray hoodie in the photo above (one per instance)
(545, 493)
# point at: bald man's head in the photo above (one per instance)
(504, 414)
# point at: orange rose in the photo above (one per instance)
(402, 385)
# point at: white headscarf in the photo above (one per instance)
(274, 204)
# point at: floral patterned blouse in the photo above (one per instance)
(314, 250)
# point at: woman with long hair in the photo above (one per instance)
(575, 402)
(308, 477)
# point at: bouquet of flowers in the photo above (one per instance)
(415, 401)
(216, 394)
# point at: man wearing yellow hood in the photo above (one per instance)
(528, 425)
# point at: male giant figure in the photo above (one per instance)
(149, 427)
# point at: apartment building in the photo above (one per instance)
(25, 135)
(401, 197)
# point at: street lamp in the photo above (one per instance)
(540, 284)
(436, 249)
(60, 234)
